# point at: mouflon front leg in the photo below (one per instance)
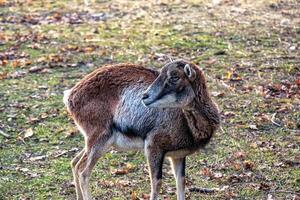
(178, 167)
(155, 158)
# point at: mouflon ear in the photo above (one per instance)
(189, 72)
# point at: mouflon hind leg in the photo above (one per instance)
(94, 149)
(75, 176)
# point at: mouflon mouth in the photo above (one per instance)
(148, 102)
(148, 99)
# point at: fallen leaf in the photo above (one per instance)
(133, 195)
(253, 127)
(69, 48)
(264, 186)
(278, 164)
(206, 172)
(248, 165)
(293, 163)
(35, 69)
(123, 171)
(229, 114)
(217, 175)
(3, 2)
(218, 94)
(38, 158)
(123, 183)
(28, 133)
(55, 58)
(45, 70)
(237, 166)
(71, 133)
(120, 171)
(34, 46)
(17, 74)
(263, 118)
(32, 120)
(88, 49)
(240, 154)
(229, 74)
(284, 89)
(233, 76)
(33, 174)
(23, 169)
(270, 197)
(234, 178)
(145, 196)
(296, 197)
(16, 63)
(230, 194)
(3, 62)
(253, 145)
(210, 61)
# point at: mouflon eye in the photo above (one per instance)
(145, 96)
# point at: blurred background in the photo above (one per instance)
(248, 50)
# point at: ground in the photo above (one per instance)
(249, 52)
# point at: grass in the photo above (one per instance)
(249, 158)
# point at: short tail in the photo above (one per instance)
(66, 98)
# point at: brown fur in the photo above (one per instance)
(95, 101)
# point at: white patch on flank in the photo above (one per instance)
(66, 97)
(130, 113)
(122, 142)
(179, 153)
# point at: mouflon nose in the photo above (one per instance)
(145, 96)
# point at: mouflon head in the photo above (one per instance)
(173, 87)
